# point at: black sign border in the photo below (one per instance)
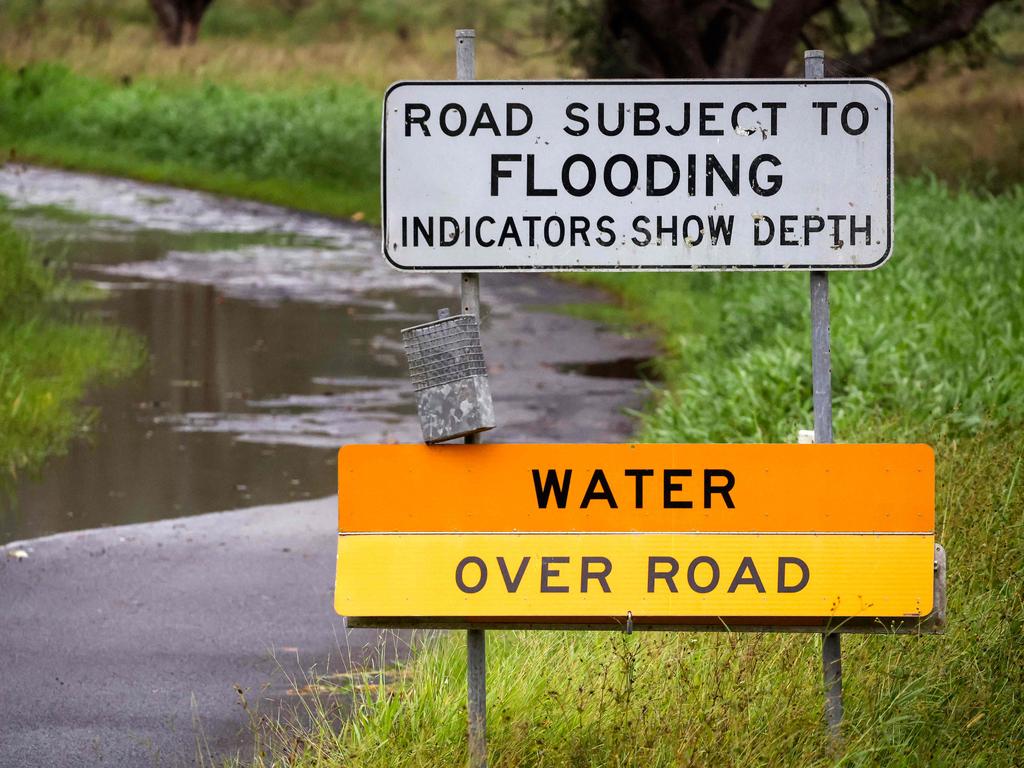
(644, 267)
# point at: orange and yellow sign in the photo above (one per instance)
(545, 532)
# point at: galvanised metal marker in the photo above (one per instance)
(576, 175)
(821, 379)
(476, 641)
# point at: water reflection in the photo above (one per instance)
(270, 341)
(273, 338)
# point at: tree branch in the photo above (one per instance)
(779, 33)
(953, 22)
(673, 40)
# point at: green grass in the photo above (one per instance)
(927, 348)
(47, 359)
(315, 146)
(660, 699)
(589, 699)
(316, 149)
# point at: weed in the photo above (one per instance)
(47, 359)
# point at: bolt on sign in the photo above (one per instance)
(584, 535)
(641, 175)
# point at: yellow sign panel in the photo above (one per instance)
(648, 575)
(564, 534)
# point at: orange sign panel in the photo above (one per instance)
(543, 533)
(636, 488)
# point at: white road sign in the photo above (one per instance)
(641, 175)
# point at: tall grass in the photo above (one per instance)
(927, 348)
(297, 124)
(371, 58)
(661, 699)
(317, 149)
(296, 21)
(965, 128)
(927, 345)
(47, 359)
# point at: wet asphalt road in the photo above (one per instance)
(123, 646)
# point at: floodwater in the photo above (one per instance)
(273, 338)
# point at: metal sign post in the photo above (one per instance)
(476, 641)
(769, 175)
(821, 373)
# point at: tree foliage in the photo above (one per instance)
(746, 38)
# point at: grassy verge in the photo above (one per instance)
(260, 130)
(316, 149)
(589, 699)
(928, 345)
(927, 348)
(46, 361)
(372, 58)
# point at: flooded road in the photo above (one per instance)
(273, 338)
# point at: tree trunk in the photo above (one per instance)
(179, 20)
(168, 19)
